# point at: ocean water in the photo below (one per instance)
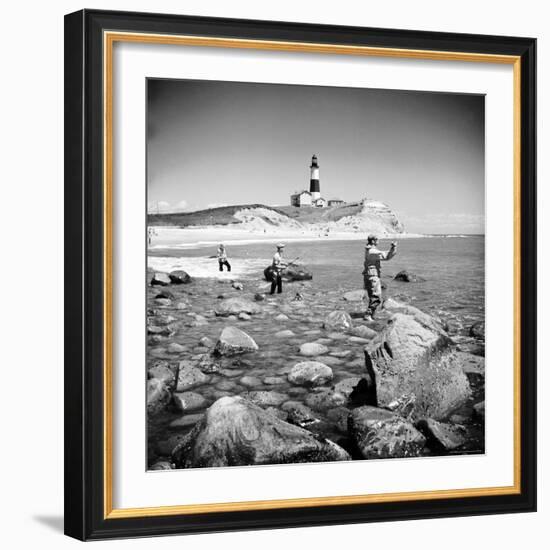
(453, 269)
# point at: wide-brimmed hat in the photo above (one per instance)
(280, 245)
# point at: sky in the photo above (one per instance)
(213, 143)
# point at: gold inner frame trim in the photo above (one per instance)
(109, 39)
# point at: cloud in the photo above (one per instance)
(180, 206)
(160, 207)
(164, 207)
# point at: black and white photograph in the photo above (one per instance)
(315, 274)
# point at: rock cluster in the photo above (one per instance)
(307, 380)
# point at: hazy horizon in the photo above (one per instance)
(215, 143)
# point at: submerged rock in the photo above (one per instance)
(441, 436)
(188, 401)
(179, 277)
(356, 295)
(378, 433)
(282, 334)
(234, 306)
(186, 420)
(311, 349)
(233, 341)
(414, 363)
(310, 373)
(338, 321)
(236, 432)
(206, 342)
(408, 277)
(158, 396)
(364, 332)
(174, 347)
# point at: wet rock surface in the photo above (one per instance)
(236, 432)
(379, 433)
(414, 362)
(185, 325)
(233, 341)
(310, 373)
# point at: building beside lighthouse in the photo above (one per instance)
(313, 196)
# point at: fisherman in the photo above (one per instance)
(222, 258)
(277, 268)
(371, 273)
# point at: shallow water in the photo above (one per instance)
(454, 290)
(454, 269)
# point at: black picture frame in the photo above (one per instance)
(84, 282)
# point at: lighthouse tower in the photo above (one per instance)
(314, 187)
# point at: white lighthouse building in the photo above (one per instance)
(314, 187)
(313, 196)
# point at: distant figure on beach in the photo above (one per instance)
(150, 235)
(222, 258)
(277, 268)
(371, 273)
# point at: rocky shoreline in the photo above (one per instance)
(235, 377)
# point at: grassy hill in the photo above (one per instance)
(224, 215)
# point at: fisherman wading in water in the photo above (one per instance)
(277, 268)
(371, 273)
(222, 258)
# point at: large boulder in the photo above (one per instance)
(292, 273)
(433, 323)
(235, 432)
(414, 363)
(408, 277)
(310, 373)
(233, 341)
(158, 396)
(160, 279)
(234, 306)
(179, 277)
(338, 321)
(378, 433)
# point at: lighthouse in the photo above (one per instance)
(314, 187)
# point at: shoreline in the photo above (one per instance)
(168, 237)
